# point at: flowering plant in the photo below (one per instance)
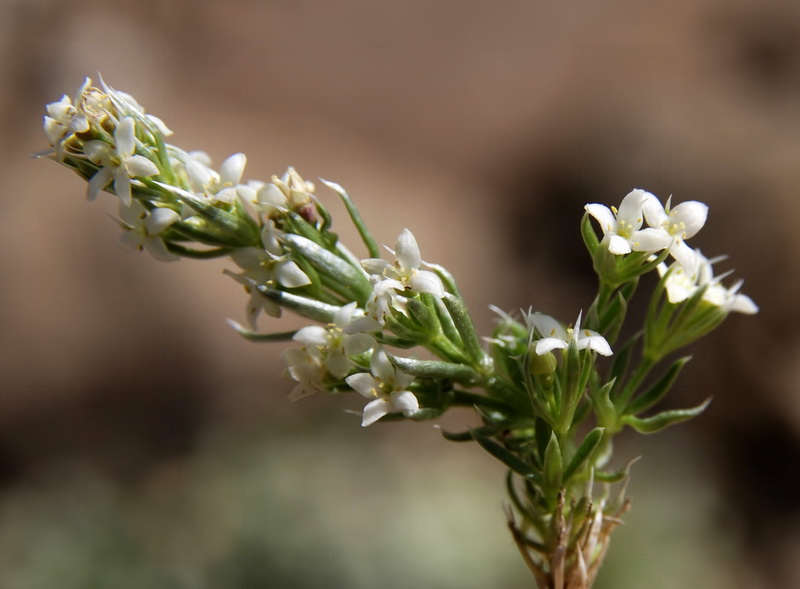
(547, 402)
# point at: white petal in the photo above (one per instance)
(374, 411)
(547, 326)
(231, 170)
(594, 341)
(99, 181)
(138, 165)
(425, 281)
(654, 212)
(158, 249)
(358, 343)
(122, 185)
(604, 216)
(290, 275)
(363, 383)
(375, 265)
(312, 335)
(159, 219)
(124, 137)
(630, 209)
(618, 245)
(338, 364)
(407, 251)
(382, 367)
(404, 401)
(131, 240)
(548, 344)
(692, 215)
(684, 255)
(650, 240)
(743, 304)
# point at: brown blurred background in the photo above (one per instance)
(144, 444)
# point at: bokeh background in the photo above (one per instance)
(144, 444)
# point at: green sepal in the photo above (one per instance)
(422, 314)
(553, 466)
(616, 476)
(590, 442)
(460, 373)
(352, 280)
(589, 235)
(301, 305)
(508, 458)
(370, 243)
(254, 336)
(656, 392)
(466, 329)
(649, 425)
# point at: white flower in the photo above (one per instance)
(119, 164)
(405, 268)
(222, 186)
(681, 222)
(386, 386)
(681, 285)
(337, 341)
(306, 367)
(622, 227)
(262, 266)
(143, 229)
(554, 336)
(63, 119)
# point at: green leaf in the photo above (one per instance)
(352, 279)
(590, 442)
(466, 329)
(604, 408)
(649, 425)
(553, 464)
(588, 234)
(508, 458)
(261, 337)
(437, 369)
(467, 436)
(355, 217)
(301, 305)
(656, 392)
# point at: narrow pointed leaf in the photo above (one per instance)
(460, 373)
(254, 336)
(354, 279)
(505, 456)
(466, 329)
(649, 425)
(656, 392)
(590, 442)
(355, 217)
(301, 305)
(553, 464)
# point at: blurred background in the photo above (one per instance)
(144, 444)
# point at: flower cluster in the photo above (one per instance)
(398, 332)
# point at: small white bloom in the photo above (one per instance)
(222, 186)
(680, 285)
(386, 386)
(554, 336)
(681, 223)
(265, 265)
(119, 164)
(143, 229)
(622, 227)
(334, 341)
(305, 366)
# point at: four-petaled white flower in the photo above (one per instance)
(118, 163)
(403, 274)
(681, 223)
(386, 386)
(554, 336)
(680, 285)
(262, 266)
(63, 119)
(222, 186)
(305, 365)
(339, 339)
(622, 227)
(143, 229)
